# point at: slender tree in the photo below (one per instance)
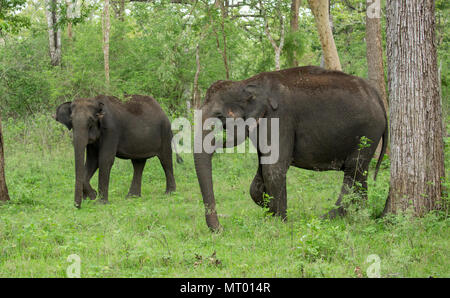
(53, 14)
(320, 11)
(277, 48)
(417, 157)
(69, 5)
(223, 6)
(106, 26)
(3, 188)
(196, 96)
(374, 51)
(295, 6)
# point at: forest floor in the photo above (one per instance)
(161, 235)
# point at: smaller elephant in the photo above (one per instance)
(105, 128)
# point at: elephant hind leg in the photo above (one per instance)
(136, 183)
(355, 179)
(274, 177)
(167, 164)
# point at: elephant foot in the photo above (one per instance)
(102, 202)
(132, 195)
(281, 215)
(89, 192)
(333, 213)
(213, 223)
(170, 190)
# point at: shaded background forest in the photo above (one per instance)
(153, 49)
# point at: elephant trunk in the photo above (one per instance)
(80, 141)
(203, 169)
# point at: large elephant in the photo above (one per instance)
(105, 128)
(323, 116)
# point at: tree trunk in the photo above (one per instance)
(69, 6)
(417, 157)
(196, 97)
(277, 48)
(3, 189)
(106, 28)
(295, 6)
(374, 53)
(52, 12)
(319, 9)
(224, 15)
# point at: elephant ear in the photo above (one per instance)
(255, 91)
(63, 114)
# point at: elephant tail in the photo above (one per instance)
(383, 151)
(174, 146)
(179, 159)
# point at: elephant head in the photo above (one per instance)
(85, 117)
(253, 98)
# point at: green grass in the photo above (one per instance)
(161, 235)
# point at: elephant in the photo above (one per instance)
(323, 116)
(105, 128)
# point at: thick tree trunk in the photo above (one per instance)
(319, 9)
(417, 157)
(295, 6)
(3, 189)
(106, 29)
(52, 13)
(374, 53)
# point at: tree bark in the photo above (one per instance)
(52, 12)
(223, 16)
(417, 156)
(106, 29)
(374, 53)
(319, 9)
(69, 6)
(196, 97)
(3, 188)
(276, 48)
(295, 6)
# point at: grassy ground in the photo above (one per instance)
(166, 236)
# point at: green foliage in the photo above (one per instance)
(152, 51)
(10, 22)
(294, 47)
(166, 236)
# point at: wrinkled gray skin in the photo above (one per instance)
(322, 117)
(105, 128)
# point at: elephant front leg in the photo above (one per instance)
(91, 167)
(105, 165)
(274, 177)
(257, 188)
